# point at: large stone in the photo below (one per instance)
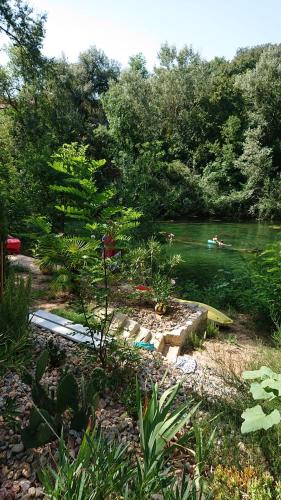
(171, 352)
(144, 335)
(130, 329)
(117, 323)
(177, 336)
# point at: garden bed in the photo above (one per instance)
(20, 466)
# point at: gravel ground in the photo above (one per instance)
(19, 466)
(178, 315)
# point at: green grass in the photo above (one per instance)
(69, 313)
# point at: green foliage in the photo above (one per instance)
(267, 280)
(56, 354)
(105, 469)
(276, 337)
(24, 29)
(77, 256)
(212, 331)
(11, 413)
(15, 341)
(159, 424)
(46, 418)
(194, 341)
(267, 387)
(146, 262)
(162, 289)
(100, 470)
(207, 134)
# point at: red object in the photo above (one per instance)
(13, 245)
(142, 288)
(109, 246)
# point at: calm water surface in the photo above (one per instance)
(203, 261)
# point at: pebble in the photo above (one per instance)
(17, 448)
(32, 492)
(26, 471)
(20, 465)
(25, 485)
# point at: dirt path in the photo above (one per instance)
(237, 349)
(42, 295)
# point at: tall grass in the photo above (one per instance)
(14, 322)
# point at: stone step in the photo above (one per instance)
(130, 329)
(144, 335)
(159, 342)
(171, 352)
(118, 322)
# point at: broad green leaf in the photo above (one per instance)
(258, 391)
(263, 372)
(272, 384)
(255, 419)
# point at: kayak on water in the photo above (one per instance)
(218, 243)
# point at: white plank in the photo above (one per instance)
(64, 331)
(54, 318)
(59, 320)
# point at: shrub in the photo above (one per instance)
(145, 262)
(193, 342)
(162, 289)
(267, 279)
(212, 331)
(14, 322)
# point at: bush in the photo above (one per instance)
(193, 342)
(267, 280)
(14, 323)
(150, 262)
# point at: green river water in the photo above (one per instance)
(202, 261)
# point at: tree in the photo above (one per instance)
(24, 29)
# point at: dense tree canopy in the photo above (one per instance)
(191, 137)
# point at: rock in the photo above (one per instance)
(39, 492)
(102, 403)
(17, 474)
(26, 470)
(32, 492)
(17, 448)
(43, 461)
(25, 485)
(16, 488)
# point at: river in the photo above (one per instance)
(202, 261)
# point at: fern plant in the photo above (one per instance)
(76, 258)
